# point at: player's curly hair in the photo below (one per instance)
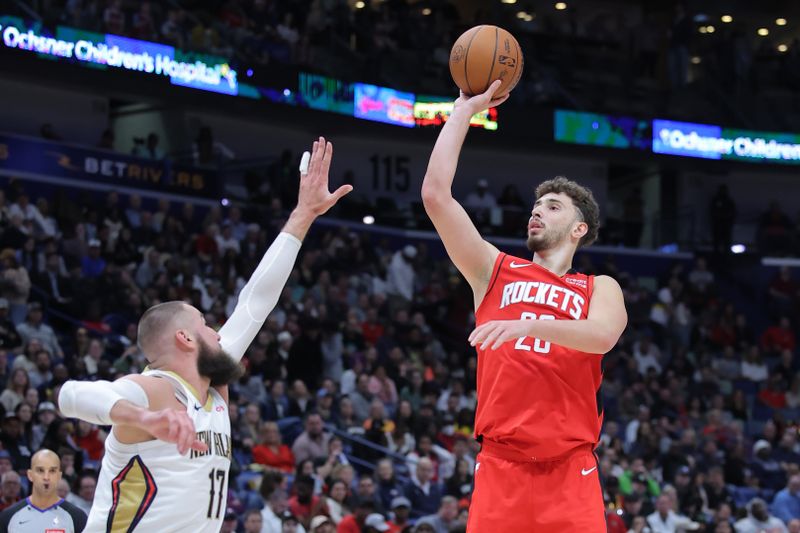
(582, 198)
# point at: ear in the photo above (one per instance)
(579, 230)
(30, 476)
(185, 340)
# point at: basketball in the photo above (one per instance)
(482, 55)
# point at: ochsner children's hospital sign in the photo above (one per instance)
(715, 142)
(208, 73)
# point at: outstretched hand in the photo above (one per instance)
(314, 195)
(481, 102)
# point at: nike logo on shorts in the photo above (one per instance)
(585, 472)
(516, 265)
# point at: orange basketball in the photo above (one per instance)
(482, 55)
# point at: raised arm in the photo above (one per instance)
(261, 293)
(473, 256)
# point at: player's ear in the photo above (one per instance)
(185, 339)
(579, 229)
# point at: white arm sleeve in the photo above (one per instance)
(92, 400)
(259, 296)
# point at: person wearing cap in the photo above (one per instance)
(374, 523)
(480, 202)
(290, 523)
(401, 512)
(355, 523)
(11, 438)
(92, 264)
(230, 523)
(322, 524)
(35, 328)
(400, 273)
(45, 413)
(766, 468)
(10, 339)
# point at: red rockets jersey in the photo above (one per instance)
(538, 397)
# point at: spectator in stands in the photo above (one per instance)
(313, 442)
(276, 505)
(92, 264)
(401, 512)
(207, 151)
(322, 524)
(445, 518)
(375, 523)
(784, 293)
(401, 273)
(304, 504)
(10, 489)
(84, 493)
(778, 337)
(765, 467)
(480, 202)
(773, 395)
(424, 493)
(16, 284)
(271, 451)
(13, 440)
(774, 231)
(759, 519)
(334, 501)
(9, 337)
(786, 504)
(753, 367)
(666, 520)
(14, 393)
(355, 523)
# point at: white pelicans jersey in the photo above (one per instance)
(149, 486)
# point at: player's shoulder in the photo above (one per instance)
(606, 283)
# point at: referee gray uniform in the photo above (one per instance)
(24, 517)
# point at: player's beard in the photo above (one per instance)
(546, 239)
(217, 365)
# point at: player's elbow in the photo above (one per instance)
(433, 196)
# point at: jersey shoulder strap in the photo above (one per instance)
(180, 389)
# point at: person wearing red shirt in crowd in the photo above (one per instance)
(779, 337)
(90, 438)
(773, 395)
(304, 504)
(542, 330)
(401, 509)
(371, 328)
(354, 523)
(271, 451)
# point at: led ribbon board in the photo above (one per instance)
(196, 71)
(714, 142)
(593, 129)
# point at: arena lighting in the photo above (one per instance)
(522, 15)
(368, 220)
(529, 18)
(727, 19)
(710, 29)
(696, 60)
(780, 22)
(508, 1)
(702, 29)
(561, 6)
(782, 48)
(426, 11)
(225, 202)
(287, 93)
(738, 249)
(249, 73)
(763, 32)
(360, 4)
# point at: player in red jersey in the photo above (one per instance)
(542, 330)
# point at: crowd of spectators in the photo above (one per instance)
(357, 404)
(592, 55)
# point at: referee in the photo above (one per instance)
(43, 510)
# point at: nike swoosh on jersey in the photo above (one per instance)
(512, 264)
(198, 407)
(585, 472)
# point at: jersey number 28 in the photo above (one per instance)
(538, 346)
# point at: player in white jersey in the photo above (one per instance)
(166, 463)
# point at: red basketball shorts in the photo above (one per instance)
(559, 496)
